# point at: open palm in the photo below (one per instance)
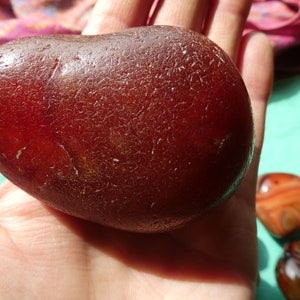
(45, 254)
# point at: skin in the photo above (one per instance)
(48, 255)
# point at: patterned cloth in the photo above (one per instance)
(279, 19)
(19, 18)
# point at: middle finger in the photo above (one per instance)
(111, 16)
(188, 13)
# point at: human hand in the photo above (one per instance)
(45, 254)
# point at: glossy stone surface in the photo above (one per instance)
(142, 130)
(278, 203)
(288, 271)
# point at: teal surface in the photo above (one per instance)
(1, 178)
(280, 154)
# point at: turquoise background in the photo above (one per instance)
(280, 154)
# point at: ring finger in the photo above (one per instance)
(225, 23)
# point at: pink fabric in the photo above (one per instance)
(279, 19)
(19, 18)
